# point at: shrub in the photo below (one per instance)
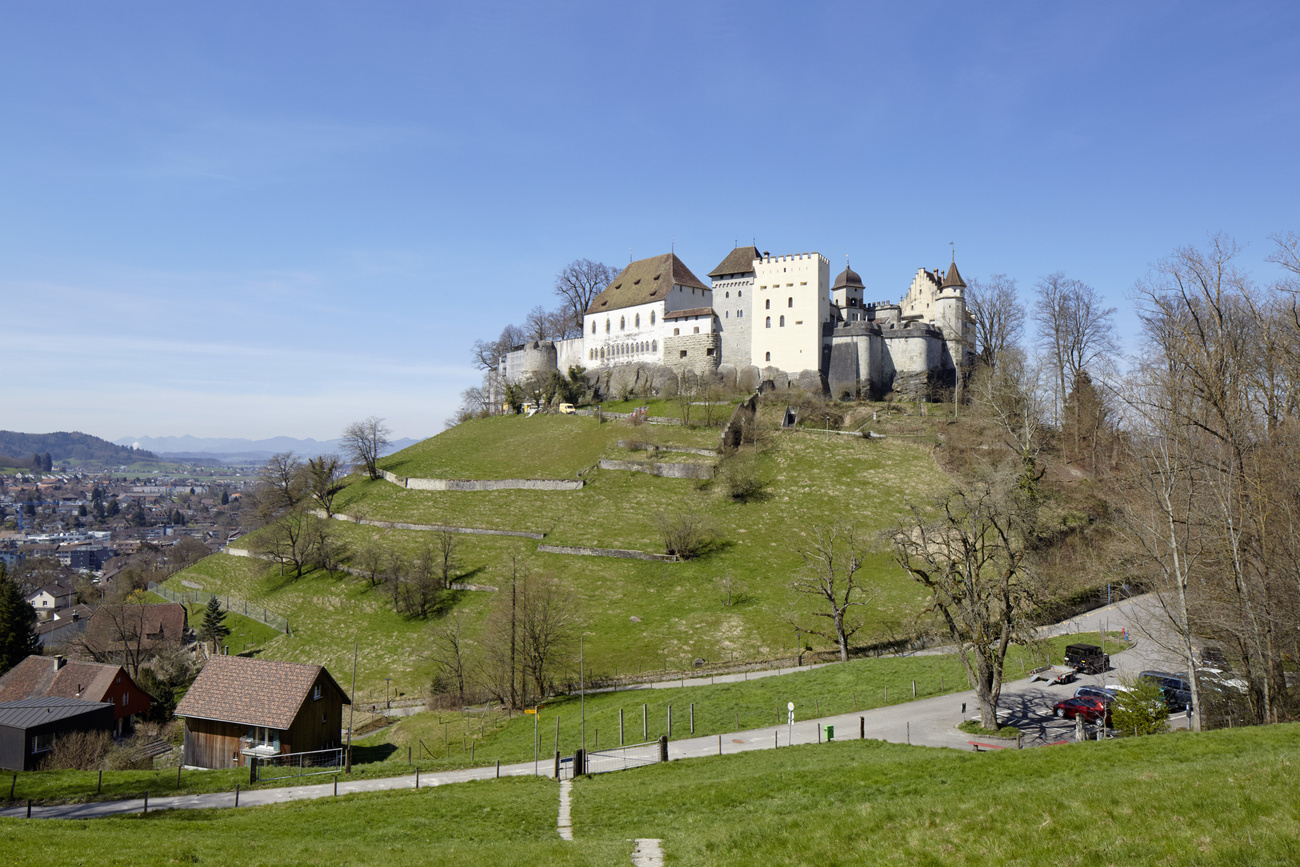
(1139, 709)
(686, 534)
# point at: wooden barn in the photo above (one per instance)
(240, 707)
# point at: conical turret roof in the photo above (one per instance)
(953, 278)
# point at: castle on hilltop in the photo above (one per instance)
(764, 317)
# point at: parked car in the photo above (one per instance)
(567, 409)
(1177, 688)
(1087, 658)
(1097, 692)
(1093, 710)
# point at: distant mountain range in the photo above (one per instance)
(243, 449)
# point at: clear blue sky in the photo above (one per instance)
(251, 219)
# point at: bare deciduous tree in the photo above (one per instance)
(830, 579)
(999, 316)
(325, 480)
(1074, 329)
(364, 440)
(579, 282)
(969, 553)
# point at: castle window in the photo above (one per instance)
(652, 317)
(708, 351)
(740, 292)
(593, 326)
(782, 322)
(622, 322)
(740, 314)
(767, 305)
(726, 295)
(676, 331)
(789, 302)
(637, 321)
(606, 325)
(769, 322)
(697, 329)
(683, 355)
(726, 315)
(767, 356)
(654, 345)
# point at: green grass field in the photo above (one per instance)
(638, 615)
(1224, 797)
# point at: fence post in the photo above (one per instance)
(663, 748)
(99, 784)
(862, 728)
(579, 762)
(557, 764)
(692, 717)
(719, 744)
(913, 689)
(645, 724)
(178, 776)
(336, 782)
(620, 727)
(146, 802)
(29, 808)
(14, 782)
(336, 788)
(252, 770)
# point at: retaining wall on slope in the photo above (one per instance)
(483, 484)
(620, 553)
(669, 471)
(436, 528)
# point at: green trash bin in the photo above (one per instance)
(830, 733)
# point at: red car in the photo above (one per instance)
(1093, 710)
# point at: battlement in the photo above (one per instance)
(793, 257)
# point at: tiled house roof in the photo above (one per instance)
(38, 676)
(644, 281)
(161, 622)
(255, 692)
(738, 261)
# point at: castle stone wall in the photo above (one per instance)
(666, 470)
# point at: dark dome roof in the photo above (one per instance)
(848, 279)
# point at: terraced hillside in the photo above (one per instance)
(638, 614)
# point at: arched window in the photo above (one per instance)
(602, 353)
(652, 317)
(782, 322)
(726, 295)
(768, 324)
(622, 322)
(654, 345)
(637, 321)
(767, 356)
(593, 326)
(790, 301)
(740, 292)
(767, 305)
(606, 325)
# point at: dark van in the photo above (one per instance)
(1177, 688)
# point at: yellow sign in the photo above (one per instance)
(530, 710)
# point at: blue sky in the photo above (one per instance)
(257, 219)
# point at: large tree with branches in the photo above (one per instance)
(969, 551)
(831, 579)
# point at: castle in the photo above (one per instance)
(764, 317)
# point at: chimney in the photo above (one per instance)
(59, 662)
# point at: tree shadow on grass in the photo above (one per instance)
(372, 753)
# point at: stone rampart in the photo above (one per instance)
(436, 528)
(685, 450)
(484, 484)
(668, 471)
(605, 552)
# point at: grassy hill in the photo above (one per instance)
(1224, 797)
(638, 615)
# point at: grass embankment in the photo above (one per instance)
(1226, 797)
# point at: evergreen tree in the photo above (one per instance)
(17, 624)
(214, 622)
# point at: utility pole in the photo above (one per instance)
(582, 696)
(352, 708)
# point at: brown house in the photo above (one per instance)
(240, 707)
(130, 632)
(52, 677)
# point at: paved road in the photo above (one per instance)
(925, 722)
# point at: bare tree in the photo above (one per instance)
(370, 562)
(686, 533)
(830, 579)
(447, 545)
(363, 441)
(549, 619)
(325, 480)
(452, 654)
(969, 553)
(579, 282)
(282, 485)
(293, 540)
(543, 324)
(1074, 329)
(999, 316)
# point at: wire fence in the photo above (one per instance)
(622, 758)
(228, 603)
(299, 764)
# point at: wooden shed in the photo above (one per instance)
(29, 726)
(240, 707)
